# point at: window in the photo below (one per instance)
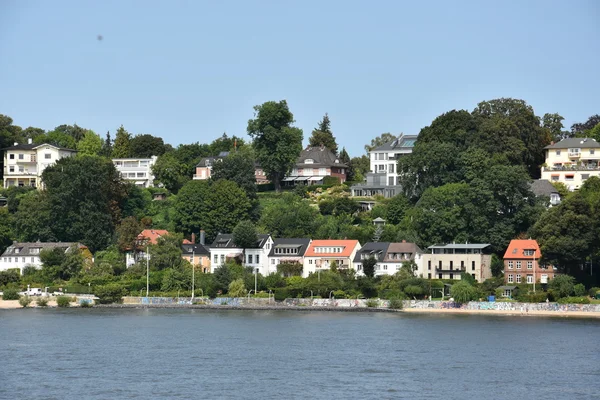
(11, 168)
(585, 177)
(391, 168)
(510, 278)
(48, 156)
(308, 171)
(35, 250)
(322, 171)
(592, 151)
(558, 152)
(451, 264)
(143, 163)
(473, 275)
(462, 265)
(192, 259)
(510, 265)
(429, 276)
(216, 259)
(310, 261)
(473, 266)
(385, 267)
(439, 276)
(222, 258)
(249, 258)
(309, 161)
(141, 174)
(569, 177)
(11, 156)
(554, 178)
(518, 278)
(518, 264)
(272, 261)
(32, 259)
(529, 278)
(21, 168)
(359, 267)
(21, 156)
(451, 276)
(257, 259)
(529, 264)
(440, 264)
(429, 265)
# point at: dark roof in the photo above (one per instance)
(405, 247)
(24, 248)
(574, 143)
(32, 146)
(198, 249)
(542, 187)
(206, 161)
(301, 242)
(225, 240)
(321, 156)
(402, 142)
(375, 249)
(460, 246)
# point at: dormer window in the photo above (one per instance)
(309, 161)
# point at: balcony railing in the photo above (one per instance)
(448, 269)
(582, 167)
(574, 155)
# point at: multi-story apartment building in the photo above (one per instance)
(449, 261)
(390, 256)
(522, 263)
(383, 177)
(22, 254)
(314, 164)
(224, 249)
(24, 163)
(136, 170)
(322, 253)
(572, 161)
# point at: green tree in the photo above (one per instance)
(396, 209)
(122, 144)
(289, 268)
(33, 219)
(56, 138)
(6, 234)
(110, 293)
(289, 217)
(90, 144)
(237, 288)
(225, 143)
(369, 266)
(245, 236)
(562, 285)
(463, 292)
(277, 143)
(497, 266)
(146, 146)
(580, 129)
(170, 172)
(322, 135)
(107, 147)
(357, 168)
(553, 122)
(380, 141)
(74, 131)
(127, 233)
(166, 253)
(239, 168)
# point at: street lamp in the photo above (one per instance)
(193, 276)
(147, 271)
(255, 279)
(250, 291)
(534, 270)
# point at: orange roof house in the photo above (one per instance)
(321, 253)
(522, 263)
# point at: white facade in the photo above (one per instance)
(136, 170)
(451, 260)
(256, 258)
(384, 159)
(321, 253)
(21, 255)
(24, 164)
(572, 161)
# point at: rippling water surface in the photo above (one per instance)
(170, 354)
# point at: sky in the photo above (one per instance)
(188, 71)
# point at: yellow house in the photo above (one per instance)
(572, 161)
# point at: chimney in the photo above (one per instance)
(29, 141)
(202, 237)
(15, 143)
(193, 238)
(403, 241)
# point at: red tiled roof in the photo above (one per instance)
(516, 247)
(348, 247)
(152, 235)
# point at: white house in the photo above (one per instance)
(572, 161)
(23, 254)
(24, 163)
(389, 256)
(287, 250)
(136, 170)
(321, 254)
(224, 249)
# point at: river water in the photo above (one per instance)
(200, 354)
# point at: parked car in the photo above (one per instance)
(33, 292)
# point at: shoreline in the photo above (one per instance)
(14, 305)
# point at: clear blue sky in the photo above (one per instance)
(190, 70)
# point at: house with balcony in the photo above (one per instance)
(287, 251)
(25, 163)
(24, 254)
(322, 253)
(136, 170)
(313, 165)
(224, 249)
(383, 176)
(389, 256)
(572, 161)
(522, 263)
(449, 261)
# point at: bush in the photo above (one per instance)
(42, 301)
(331, 181)
(573, 300)
(562, 285)
(593, 291)
(579, 290)
(24, 301)
(339, 294)
(372, 303)
(537, 297)
(265, 187)
(86, 303)
(462, 292)
(281, 294)
(395, 304)
(111, 293)
(10, 294)
(63, 301)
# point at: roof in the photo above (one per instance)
(24, 248)
(197, 249)
(405, 247)
(574, 143)
(152, 235)
(403, 142)
(348, 248)
(516, 247)
(321, 156)
(460, 246)
(542, 187)
(299, 242)
(208, 161)
(33, 146)
(374, 249)
(225, 241)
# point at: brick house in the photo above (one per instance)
(522, 263)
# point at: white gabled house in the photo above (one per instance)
(224, 249)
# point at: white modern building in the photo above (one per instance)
(449, 261)
(24, 163)
(572, 161)
(24, 254)
(383, 177)
(389, 256)
(224, 249)
(136, 170)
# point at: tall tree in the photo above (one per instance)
(369, 266)
(74, 131)
(57, 138)
(107, 147)
(127, 233)
(245, 236)
(170, 172)
(121, 147)
(322, 135)
(579, 129)
(90, 144)
(379, 141)
(277, 143)
(238, 167)
(289, 217)
(553, 122)
(225, 143)
(146, 146)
